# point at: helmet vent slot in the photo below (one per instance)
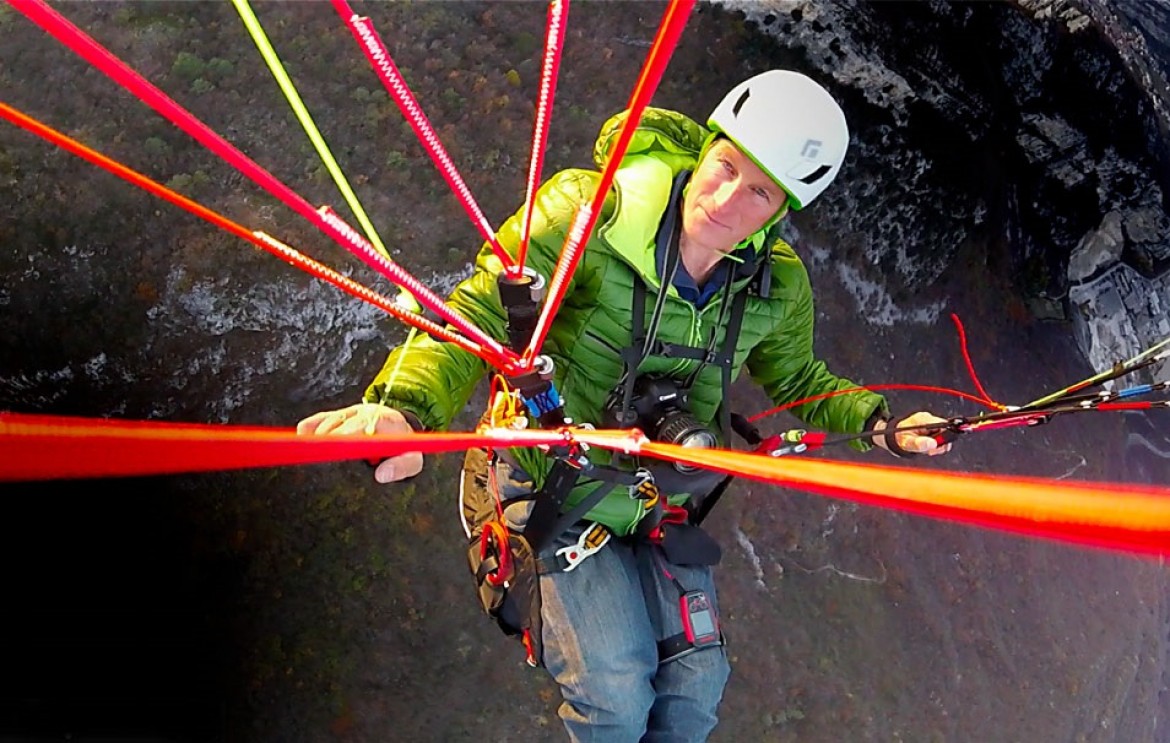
(742, 100)
(816, 175)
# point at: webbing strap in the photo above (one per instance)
(641, 337)
(546, 522)
(632, 355)
(676, 646)
(547, 506)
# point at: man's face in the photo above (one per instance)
(729, 199)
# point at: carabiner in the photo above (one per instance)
(494, 531)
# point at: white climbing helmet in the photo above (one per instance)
(789, 126)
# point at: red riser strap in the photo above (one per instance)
(41, 447)
(1120, 516)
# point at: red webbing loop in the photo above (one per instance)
(670, 515)
(494, 539)
(673, 22)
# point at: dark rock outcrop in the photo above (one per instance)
(1037, 127)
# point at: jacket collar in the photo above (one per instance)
(642, 187)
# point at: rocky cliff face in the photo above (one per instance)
(1037, 128)
(991, 140)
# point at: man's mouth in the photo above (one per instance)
(713, 220)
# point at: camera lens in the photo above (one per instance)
(682, 428)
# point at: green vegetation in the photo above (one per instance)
(525, 44)
(219, 69)
(396, 160)
(201, 85)
(188, 66)
(157, 148)
(452, 100)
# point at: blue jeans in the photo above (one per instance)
(602, 624)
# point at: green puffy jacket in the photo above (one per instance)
(436, 379)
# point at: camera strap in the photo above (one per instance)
(641, 336)
(643, 346)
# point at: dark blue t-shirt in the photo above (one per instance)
(687, 289)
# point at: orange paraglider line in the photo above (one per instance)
(324, 218)
(1115, 516)
(259, 239)
(1109, 515)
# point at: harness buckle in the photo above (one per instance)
(591, 540)
(643, 488)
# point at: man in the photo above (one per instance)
(631, 633)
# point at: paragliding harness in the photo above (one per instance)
(508, 555)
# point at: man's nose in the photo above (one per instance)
(726, 193)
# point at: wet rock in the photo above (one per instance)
(1045, 308)
(1063, 10)
(1100, 248)
(1146, 225)
(1039, 98)
(1119, 314)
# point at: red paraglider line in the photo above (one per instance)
(1123, 517)
(558, 11)
(970, 366)
(1116, 516)
(872, 388)
(383, 64)
(259, 239)
(324, 218)
(669, 31)
(45, 447)
(1106, 515)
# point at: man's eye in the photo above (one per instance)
(763, 194)
(728, 167)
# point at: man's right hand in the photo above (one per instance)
(367, 419)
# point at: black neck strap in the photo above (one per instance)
(643, 340)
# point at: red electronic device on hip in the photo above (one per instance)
(699, 621)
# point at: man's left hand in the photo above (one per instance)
(919, 441)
